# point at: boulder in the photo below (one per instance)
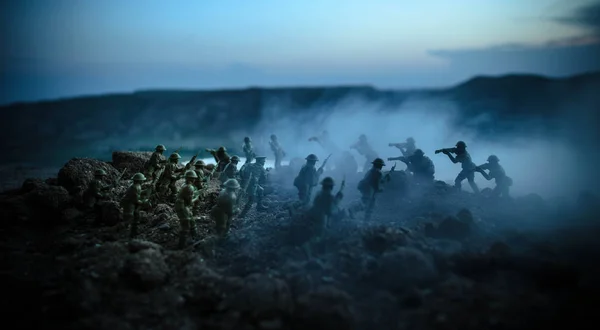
(39, 200)
(78, 172)
(133, 161)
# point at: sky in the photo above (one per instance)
(61, 48)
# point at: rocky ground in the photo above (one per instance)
(430, 258)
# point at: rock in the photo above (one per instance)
(41, 200)
(110, 213)
(263, 298)
(133, 161)
(405, 267)
(453, 228)
(77, 173)
(324, 308)
(380, 239)
(146, 269)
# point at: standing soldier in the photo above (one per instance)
(186, 198)
(468, 167)
(170, 176)
(156, 163)
(308, 178)
(230, 171)
(256, 176)
(325, 206)
(370, 186)
(503, 182)
(95, 189)
(419, 165)
(248, 150)
(226, 207)
(364, 148)
(277, 150)
(132, 203)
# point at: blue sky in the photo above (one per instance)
(71, 47)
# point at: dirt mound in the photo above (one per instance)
(77, 173)
(133, 161)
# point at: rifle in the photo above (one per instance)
(342, 186)
(387, 176)
(118, 180)
(398, 145)
(324, 163)
(400, 158)
(244, 188)
(445, 150)
(191, 163)
(178, 150)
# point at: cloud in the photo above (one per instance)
(587, 17)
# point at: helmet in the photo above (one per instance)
(260, 158)
(99, 172)
(160, 147)
(410, 140)
(191, 175)
(378, 161)
(222, 149)
(362, 137)
(312, 157)
(493, 159)
(247, 139)
(231, 184)
(199, 163)
(461, 144)
(328, 181)
(419, 152)
(174, 156)
(235, 159)
(138, 177)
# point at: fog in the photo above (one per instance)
(543, 165)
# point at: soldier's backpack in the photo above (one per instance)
(362, 186)
(298, 180)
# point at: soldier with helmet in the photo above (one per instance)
(156, 163)
(170, 175)
(186, 198)
(248, 150)
(307, 178)
(468, 167)
(370, 185)
(226, 206)
(419, 165)
(95, 189)
(496, 171)
(132, 202)
(277, 151)
(254, 178)
(230, 171)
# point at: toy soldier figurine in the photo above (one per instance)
(307, 178)
(364, 148)
(503, 182)
(156, 163)
(186, 198)
(468, 167)
(221, 157)
(226, 207)
(277, 151)
(256, 176)
(132, 202)
(230, 171)
(408, 148)
(95, 189)
(370, 186)
(248, 150)
(419, 165)
(170, 176)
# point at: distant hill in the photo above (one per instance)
(55, 129)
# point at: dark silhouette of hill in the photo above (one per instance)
(61, 128)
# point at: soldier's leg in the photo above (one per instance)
(497, 191)
(260, 193)
(471, 179)
(247, 206)
(459, 179)
(172, 190)
(220, 223)
(135, 222)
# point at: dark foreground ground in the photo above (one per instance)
(433, 259)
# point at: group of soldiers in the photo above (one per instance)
(158, 182)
